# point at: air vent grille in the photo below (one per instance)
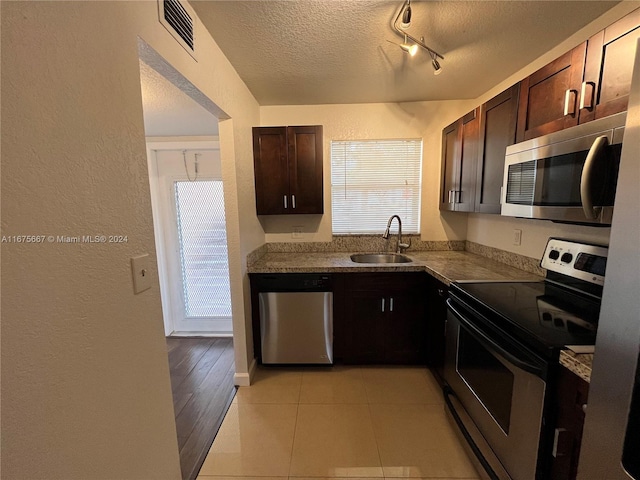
(180, 20)
(521, 182)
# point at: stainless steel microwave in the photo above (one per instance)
(568, 176)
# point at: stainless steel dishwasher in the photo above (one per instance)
(296, 318)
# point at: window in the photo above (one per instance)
(202, 238)
(372, 180)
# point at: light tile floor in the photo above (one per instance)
(340, 422)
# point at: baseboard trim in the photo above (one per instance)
(244, 379)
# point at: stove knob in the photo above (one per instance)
(566, 257)
(554, 254)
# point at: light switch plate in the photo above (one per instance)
(141, 273)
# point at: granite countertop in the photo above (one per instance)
(446, 266)
(578, 363)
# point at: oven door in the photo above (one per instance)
(497, 396)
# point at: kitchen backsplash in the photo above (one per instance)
(375, 243)
(528, 264)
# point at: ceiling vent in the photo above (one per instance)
(179, 19)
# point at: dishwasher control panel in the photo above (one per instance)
(293, 282)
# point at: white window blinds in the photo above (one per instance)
(372, 180)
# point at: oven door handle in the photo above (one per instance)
(490, 343)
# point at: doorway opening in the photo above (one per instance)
(186, 184)
(190, 227)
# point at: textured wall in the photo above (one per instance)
(373, 121)
(426, 120)
(85, 383)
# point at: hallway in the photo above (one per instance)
(202, 384)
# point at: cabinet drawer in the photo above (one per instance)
(387, 282)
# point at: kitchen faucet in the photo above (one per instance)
(385, 235)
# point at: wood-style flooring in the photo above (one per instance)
(202, 383)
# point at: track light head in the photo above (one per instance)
(410, 49)
(406, 16)
(437, 69)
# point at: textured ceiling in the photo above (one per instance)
(168, 111)
(292, 52)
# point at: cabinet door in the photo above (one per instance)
(437, 294)
(497, 131)
(608, 69)
(383, 319)
(549, 98)
(271, 170)
(571, 398)
(305, 169)
(451, 143)
(465, 195)
(364, 325)
(405, 333)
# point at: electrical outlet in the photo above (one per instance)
(517, 236)
(297, 232)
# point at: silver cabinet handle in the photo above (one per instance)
(391, 304)
(587, 179)
(570, 106)
(285, 201)
(452, 198)
(556, 441)
(586, 101)
(293, 201)
(383, 304)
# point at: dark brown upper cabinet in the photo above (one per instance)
(591, 81)
(498, 119)
(288, 170)
(607, 75)
(549, 98)
(459, 156)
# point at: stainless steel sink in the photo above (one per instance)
(380, 258)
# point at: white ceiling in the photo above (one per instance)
(168, 111)
(297, 52)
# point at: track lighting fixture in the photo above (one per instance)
(406, 16)
(400, 24)
(437, 69)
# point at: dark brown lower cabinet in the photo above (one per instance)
(571, 400)
(381, 318)
(437, 293)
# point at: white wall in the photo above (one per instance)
(426, 120)
(85, 380)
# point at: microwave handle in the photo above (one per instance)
(587, 178)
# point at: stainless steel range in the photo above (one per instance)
(503, 347)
